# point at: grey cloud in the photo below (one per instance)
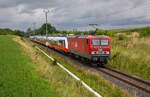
(69, 12)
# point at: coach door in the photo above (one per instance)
(62, 43)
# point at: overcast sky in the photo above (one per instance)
(65, 14)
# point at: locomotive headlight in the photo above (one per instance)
(107, 52)
(93, 52)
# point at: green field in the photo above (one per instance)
(17, 76)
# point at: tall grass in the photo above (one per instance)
(132, 55)
(17, 76)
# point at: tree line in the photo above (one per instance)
(51, 30)
(7, 31)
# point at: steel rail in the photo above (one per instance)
(132, 80)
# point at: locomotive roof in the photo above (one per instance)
(89, 36)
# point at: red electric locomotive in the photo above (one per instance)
(94, 48)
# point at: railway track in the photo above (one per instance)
(129, 79)
(137, 82)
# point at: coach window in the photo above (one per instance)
(55, 42)
(59, 42)
(87, 41)
(62, 42)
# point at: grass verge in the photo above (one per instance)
(17, 76)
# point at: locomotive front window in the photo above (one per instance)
(95, 42)
(104, 42)
(100, 42)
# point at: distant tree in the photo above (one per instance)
(29, 30)
(42, 29)
(19, 33)
(6, 31)
(100, 32)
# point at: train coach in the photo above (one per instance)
(94, 48)
(58, 43)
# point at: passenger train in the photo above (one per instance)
(96, 49)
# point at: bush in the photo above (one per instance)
(121, 37)
(54, 62)
(128, 33)
(105, 32)
(116, 54)
(22, 38)
(145, 33)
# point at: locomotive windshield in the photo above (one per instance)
(100, 42)
(104, 41)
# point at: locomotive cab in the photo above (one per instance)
(99, 49)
